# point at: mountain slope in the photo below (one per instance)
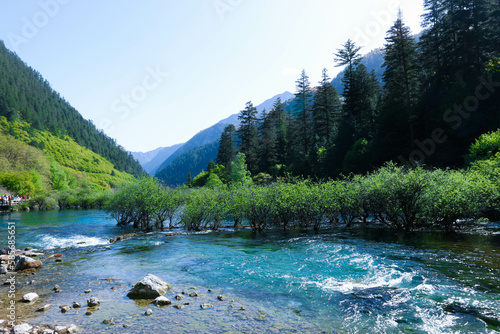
(152, 166)
(34, 161)
(178, 172)
(193, 161)
(202, 138)
(26, 95)
(145, 157)
(267, 105)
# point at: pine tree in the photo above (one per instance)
(268, 143)
(227, 147)
(401, 73)
(326, 110)
(303, 108)
(349, 56)
(280, 119)
(248, 136)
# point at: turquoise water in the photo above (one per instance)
(349, 281)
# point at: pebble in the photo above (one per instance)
(148, 312)
(205, 306)
(76, 305)
(220, 297)
(179, 297)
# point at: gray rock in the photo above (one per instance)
(149, 287)
(108, 321)
(64, 309)
(87, 291)
(149, 312)
(3, 269)
(76, 305)
(48, 331)
(193, 294)
(57, 289)
(205, 306)
(179, 297)
(25, 262)
(72, 329)
(44, 308)
(221, 297)
(30, 297)
(93, 301)
(179, 306)
(22, 329)
(4, 330)
(162, 301)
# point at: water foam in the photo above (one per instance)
(75, 241)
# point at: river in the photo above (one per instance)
(349, 281)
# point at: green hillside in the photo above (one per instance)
(27, 96)
(34, 162)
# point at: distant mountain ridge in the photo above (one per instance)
(152, 160)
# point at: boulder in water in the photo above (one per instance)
(162, 301)
(149, 287)
(25, 262)
(93, 301)
(30, 297)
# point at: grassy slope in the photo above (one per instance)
(86, 166)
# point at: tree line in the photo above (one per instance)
(392, 196)
(437, 94)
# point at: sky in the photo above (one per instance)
(153, 73)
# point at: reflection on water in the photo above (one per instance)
(348, 281)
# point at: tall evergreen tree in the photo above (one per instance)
(401, 74)
(302, 108)
(349, 56)
(248, 136)
(268, 142)
(326, 110)
(227, 147)
(280, 118)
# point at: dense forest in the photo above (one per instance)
(435, 97)
(27, 96)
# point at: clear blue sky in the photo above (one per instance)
(153, 73)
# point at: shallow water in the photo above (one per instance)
(288, 282)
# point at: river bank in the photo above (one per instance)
(333, 281)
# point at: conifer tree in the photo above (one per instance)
(326, 110)
(303, 108)
(227, 146)
(248, 136)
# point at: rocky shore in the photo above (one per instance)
(20, 266)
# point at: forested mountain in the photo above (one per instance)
(432, 96)
(26, 95)
(177, 172)
(202, 138)
(191, 162)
